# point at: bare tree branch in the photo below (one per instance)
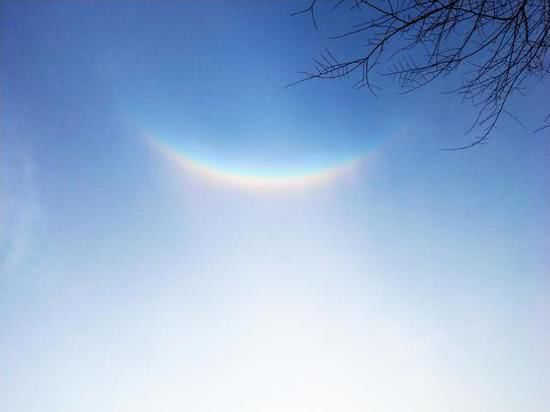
(496, 44)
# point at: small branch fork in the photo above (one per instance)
(498, 45)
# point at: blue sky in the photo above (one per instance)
(416, 281)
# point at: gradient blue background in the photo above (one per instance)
(418, 283)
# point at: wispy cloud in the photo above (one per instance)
(18, 212)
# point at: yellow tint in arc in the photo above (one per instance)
(220, 176)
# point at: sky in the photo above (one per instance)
(179, 231)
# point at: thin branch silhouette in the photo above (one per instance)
(496, 44)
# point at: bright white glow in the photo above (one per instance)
(271, 353)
